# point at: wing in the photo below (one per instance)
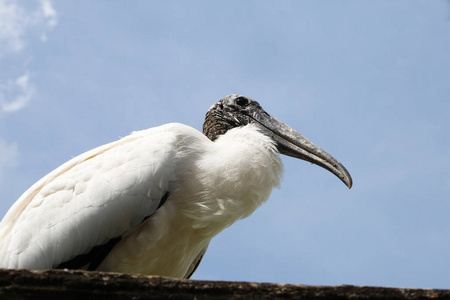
(196, 263)
(90, 200)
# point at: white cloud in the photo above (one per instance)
(13, 23)
(17, 22)
(20, 21)
(8, 155)
(49, 16)
(15, 94)
(49, 12)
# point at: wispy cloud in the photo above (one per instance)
(20, 22)
(15, 94)
(12, 27)
(17, 23)
(8, 156)
(49, 15)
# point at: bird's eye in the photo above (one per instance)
(242, 101)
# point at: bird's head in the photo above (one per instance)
(237, 110)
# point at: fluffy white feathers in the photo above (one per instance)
(108, 191)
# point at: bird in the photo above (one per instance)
(150, 203)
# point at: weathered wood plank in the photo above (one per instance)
(69, 284)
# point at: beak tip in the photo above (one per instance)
(348, 181)
(344, 176)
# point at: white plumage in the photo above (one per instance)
(106, 192)
(151, 202)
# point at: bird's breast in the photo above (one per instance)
(234, 176)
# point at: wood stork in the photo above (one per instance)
(151, 202)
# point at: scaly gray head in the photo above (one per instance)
(237, 110)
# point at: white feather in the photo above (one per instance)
(106, 192)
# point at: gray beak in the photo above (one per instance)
(292, 143)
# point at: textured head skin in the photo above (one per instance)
(230, 112)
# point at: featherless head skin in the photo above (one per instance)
(236, 110)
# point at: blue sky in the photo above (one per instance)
(368, 81)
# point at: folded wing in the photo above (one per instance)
(90, 201)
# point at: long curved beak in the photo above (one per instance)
(292, 143)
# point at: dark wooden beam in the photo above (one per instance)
(68, 284)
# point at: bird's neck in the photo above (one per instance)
(235, 176)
